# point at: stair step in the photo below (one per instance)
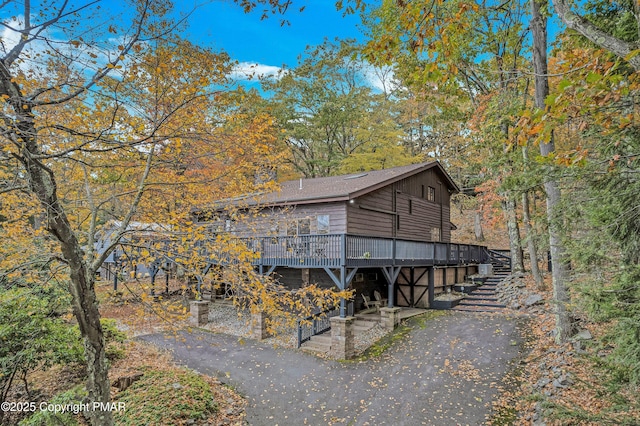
(365, 323)
(322, 338)
(484, 305)
(312, 348)
(481, 298)
(476, 309)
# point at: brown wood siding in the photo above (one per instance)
(273, 221)
(375, 214)
(336, 211)
(366, 217)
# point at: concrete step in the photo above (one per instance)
(309, 347)
(320, 343)
(370, 323)
(324, 338)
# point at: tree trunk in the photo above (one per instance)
(85, 305)
(619, 47)
(564, 321)
(477, 226)
(515, 242)
(531, 242)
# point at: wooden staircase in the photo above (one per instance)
(484, 298)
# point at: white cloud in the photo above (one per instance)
(8, 37)
(251, 71)
(380, 78)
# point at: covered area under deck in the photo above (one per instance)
(413, 272)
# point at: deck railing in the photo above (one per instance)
(334, 250)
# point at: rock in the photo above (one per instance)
(177, 386)
(577, 346)
(583, 335)
(562, 382)
(122, 383)
(542, 383)
(533, 300)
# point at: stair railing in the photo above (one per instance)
(318, 323)
(499, 258)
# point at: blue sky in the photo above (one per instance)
(247, 38)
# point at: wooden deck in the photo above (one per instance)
(337, 250)
(374, 315)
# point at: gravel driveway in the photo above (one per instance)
(444, 372)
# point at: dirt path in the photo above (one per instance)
(444, 372)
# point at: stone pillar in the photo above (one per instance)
(390, 318)
(198, 312)
(259, 325)
(342, 338)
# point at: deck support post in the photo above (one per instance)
(391, 275)
(444, 279)
(154, 272)
(342, 282)
(431, 278)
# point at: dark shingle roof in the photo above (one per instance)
(338, 188)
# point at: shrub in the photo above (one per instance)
(74, 395)
(166, 397)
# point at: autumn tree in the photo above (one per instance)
(614, 27)
(470, 49)
(592, 110)
(333, 119)
(91, 119)
(564, 321)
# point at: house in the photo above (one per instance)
(125, 260)
(387, 230)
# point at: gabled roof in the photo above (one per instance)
(346, 187)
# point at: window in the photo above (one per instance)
(435, 234)
(299, 227)
(431, 194)
(304, 226)
(323, 224)
(292, 227)
(410, 206)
